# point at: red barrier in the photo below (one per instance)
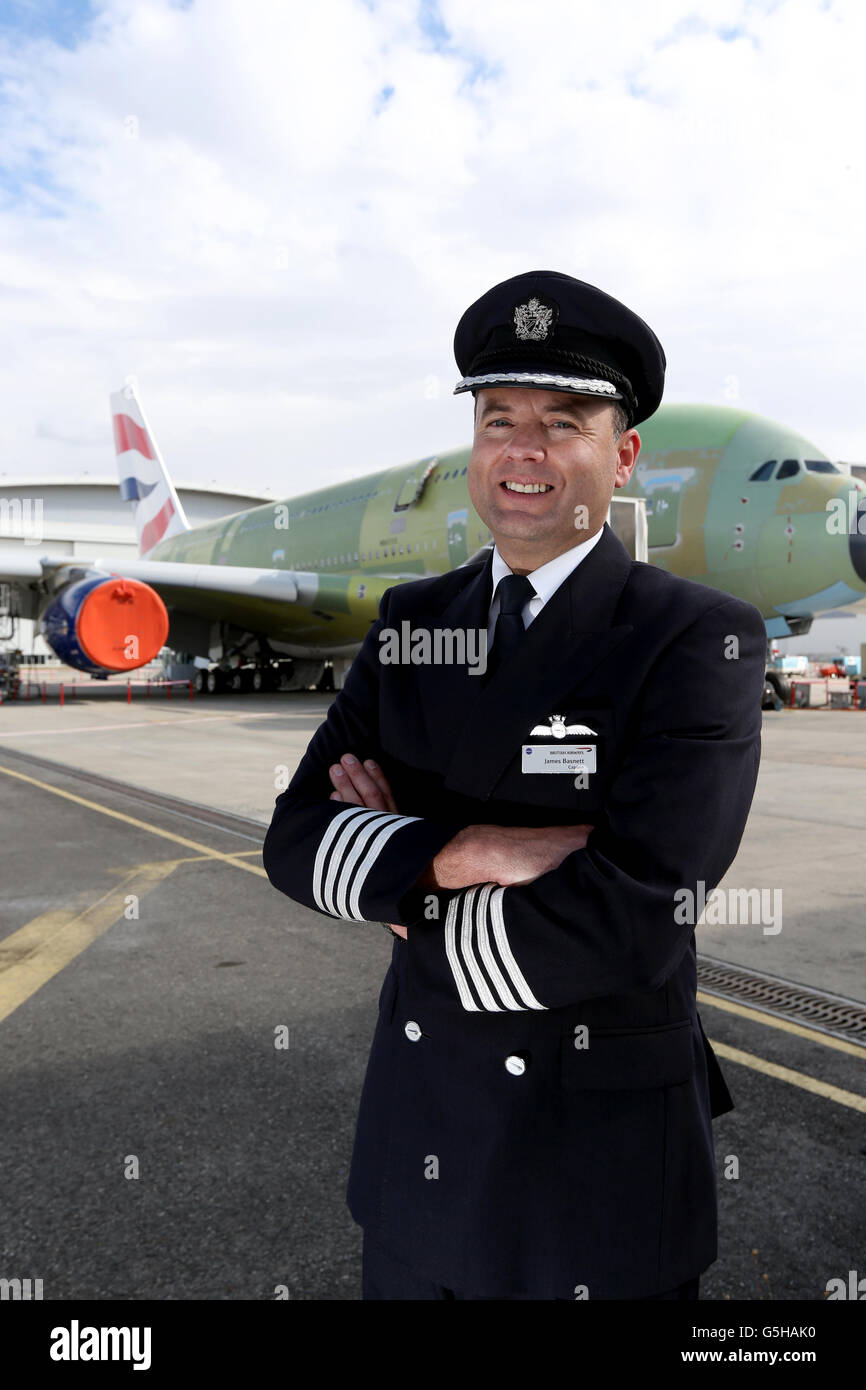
(68, 690)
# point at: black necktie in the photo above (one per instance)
(514, 591)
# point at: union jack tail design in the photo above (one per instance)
(144, 479)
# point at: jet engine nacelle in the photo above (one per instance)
(105, 623)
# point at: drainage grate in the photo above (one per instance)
(829, 1013)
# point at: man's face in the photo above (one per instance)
(561, 441)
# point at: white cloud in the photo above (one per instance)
(274, 215)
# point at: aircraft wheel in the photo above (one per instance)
(199, 682)
(781, 685)
(214, 682)
(770, 698)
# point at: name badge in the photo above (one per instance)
(553, 757)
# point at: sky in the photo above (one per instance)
(271, 214)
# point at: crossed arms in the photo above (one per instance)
(506, 917)
(503, 854)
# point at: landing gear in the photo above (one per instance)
(278, 674)
(777, 691)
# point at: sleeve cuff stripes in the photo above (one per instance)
(347, 852)
(479, 954)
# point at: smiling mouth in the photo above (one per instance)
(526, 487)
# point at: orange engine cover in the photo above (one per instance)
(122, 624)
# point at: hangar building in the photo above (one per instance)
(86, 516)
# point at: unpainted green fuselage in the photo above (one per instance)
(767, 541)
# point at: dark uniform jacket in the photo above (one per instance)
(536, 1115)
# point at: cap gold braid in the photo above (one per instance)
(587, 366)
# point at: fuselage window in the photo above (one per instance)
(821, 466)
(788, 469)
(765, 471)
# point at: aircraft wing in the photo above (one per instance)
(297, 606)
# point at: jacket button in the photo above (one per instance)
(516, 1063)
(412, 1031)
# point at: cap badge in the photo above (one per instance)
(533, 320)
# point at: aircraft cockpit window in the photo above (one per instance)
(765, 471)
(821, 466)
(789, 468)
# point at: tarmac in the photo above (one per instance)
(164, 1146)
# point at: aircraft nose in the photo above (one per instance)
(857, 539)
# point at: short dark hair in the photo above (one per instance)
(619, 419)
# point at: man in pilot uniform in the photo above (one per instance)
(536, 1115)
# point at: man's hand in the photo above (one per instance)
(504, 854)
(361, 784)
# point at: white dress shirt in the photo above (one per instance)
(545, 580)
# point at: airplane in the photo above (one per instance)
(278, 593)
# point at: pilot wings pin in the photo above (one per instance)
(558, 728)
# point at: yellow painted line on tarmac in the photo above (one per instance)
(794, 1078)
(203, 850)
(756, 1016)
(38, 951)
(203, 858)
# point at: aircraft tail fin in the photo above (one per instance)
(144, 478)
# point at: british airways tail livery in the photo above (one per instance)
(144, 478)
